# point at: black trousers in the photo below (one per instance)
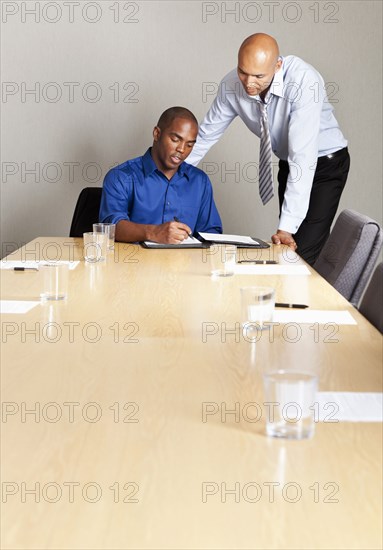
(329, 180)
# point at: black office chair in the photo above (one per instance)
(371, 305)
(349, 254)
(86, 211)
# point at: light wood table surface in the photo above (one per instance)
(119, 451)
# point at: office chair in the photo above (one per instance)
(86, 211)
(348, 257)
(371, 305)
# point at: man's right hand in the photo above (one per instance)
(168, 233)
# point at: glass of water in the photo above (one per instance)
(289, 399)
(257, 308)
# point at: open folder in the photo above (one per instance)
(203, 240)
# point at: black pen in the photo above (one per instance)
(262, 262)
(25, 269)
(179, 221)
(291, 306)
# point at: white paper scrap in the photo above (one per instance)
(350, 406)
(11, 264)
(313, 316)
(16, 306)
(278, 269)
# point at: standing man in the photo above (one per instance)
(159, 197)
(283, 101)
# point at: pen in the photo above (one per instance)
(179, 221)
(263, 262)
(293, 306)
(25, 269)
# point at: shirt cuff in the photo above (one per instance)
(290, 224)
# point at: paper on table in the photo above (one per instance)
(217, 238)
(313, 316)
(11, 264)
(190, 241)
(16, 306)
(279, 269)
(350, 406)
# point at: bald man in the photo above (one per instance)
(158, 197)
(305, 136)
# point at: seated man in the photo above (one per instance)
(159, 197)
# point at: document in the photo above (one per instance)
(240, 240)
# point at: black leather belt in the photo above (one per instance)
(336, 154)
(340, 153)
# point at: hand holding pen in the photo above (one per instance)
(184, 227)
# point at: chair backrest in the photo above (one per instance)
(349, 254)
(371, 305)
(86, 211)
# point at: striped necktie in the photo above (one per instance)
(266, 189)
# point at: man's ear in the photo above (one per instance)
(278, 65)
(156, 133)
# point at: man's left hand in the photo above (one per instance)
(283, 237)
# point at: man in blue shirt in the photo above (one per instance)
(304, 134)
(158, 197)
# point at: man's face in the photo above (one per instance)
(172, 145)
(256, 72)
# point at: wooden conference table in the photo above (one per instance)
(143, 434)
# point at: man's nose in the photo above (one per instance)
(181, 146)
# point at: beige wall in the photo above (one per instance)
(103, 71)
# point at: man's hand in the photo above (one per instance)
(283, 237)
(169, 233)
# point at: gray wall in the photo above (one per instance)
(102, 72)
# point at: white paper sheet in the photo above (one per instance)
(16, 306)
(218, 238)
(313, 316)
(11, 264)
(350, 406)
(190, 241)
(278, 269)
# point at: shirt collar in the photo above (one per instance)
(276, 87)
(150, 166)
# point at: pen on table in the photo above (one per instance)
(291, 306)
(25, 269)
(179, 221)
(262, 262)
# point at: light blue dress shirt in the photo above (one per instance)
(137, 191)
(302, 128)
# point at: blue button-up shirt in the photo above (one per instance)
(137, 191)
(301, 122)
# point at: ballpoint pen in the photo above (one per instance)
(291, 306)
(25, 269)
(261, 262)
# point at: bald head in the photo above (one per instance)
(262, 47)
(258, 61)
